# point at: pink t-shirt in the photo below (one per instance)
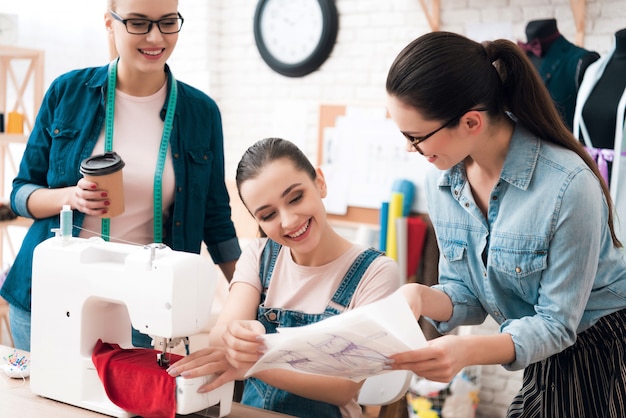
(310, 289)
(137, 135)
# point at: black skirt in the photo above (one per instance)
(586, 380)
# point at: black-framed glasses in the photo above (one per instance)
(416, 140)
(137, 26)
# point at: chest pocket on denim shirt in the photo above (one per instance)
(523, 266)
(63, 138)
(455, 253)
(200, 165)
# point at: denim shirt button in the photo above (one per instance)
(518, 270)
(271, 316)
(467, 205)
(494, 198)
(56, 131)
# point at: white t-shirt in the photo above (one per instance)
(310, 289)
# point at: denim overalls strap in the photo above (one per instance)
(267, 263)
(261, 395)
(346, 289)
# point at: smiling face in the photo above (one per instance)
(143, 53)
(287, 204)
(444, 148)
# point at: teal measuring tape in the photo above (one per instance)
(165, 140)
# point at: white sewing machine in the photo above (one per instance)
(88, 289)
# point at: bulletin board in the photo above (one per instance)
(362, 153)
(328, 116)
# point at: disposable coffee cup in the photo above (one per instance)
(106, 171)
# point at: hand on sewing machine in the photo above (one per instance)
(206, 362)
(242, 348)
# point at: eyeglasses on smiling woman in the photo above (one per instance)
(137, 26)
(416, 140)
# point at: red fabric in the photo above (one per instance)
(134, 381)
(416, 234)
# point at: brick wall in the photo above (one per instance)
(257, 102)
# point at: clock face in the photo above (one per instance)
(294, 37)
(292, 29)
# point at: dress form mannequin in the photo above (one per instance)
(599, 121)
(600, 108)
(545, 33)
(560, 63)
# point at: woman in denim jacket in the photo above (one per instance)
(525, 228)
(72, 125)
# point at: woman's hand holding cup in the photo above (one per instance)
(89, 199)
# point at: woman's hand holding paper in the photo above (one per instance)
(243, 342)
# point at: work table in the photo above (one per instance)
(18, 400)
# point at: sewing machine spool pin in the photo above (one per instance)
(153, 247)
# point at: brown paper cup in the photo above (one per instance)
(106, 171)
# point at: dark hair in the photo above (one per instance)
(266, 151)
(444, 74)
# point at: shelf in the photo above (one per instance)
(21, 94)
(21, 90)
(8, 161)
(12, 138)
(19, 221)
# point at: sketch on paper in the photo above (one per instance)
(353, 345)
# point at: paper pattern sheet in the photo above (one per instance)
(353, 345)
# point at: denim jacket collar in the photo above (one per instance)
(519, 165)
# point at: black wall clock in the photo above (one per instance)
(295, 37)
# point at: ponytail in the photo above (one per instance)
(531, 104)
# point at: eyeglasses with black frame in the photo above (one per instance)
(138, 26)
(416, 140)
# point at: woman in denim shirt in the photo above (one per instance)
(525, 228)
(70, 127)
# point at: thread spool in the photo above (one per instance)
(66, 222)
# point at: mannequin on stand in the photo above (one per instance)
(600, 104)
(560, 63)
(600, 116)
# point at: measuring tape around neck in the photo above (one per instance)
(165, 140)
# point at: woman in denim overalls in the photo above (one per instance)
(301, 273)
